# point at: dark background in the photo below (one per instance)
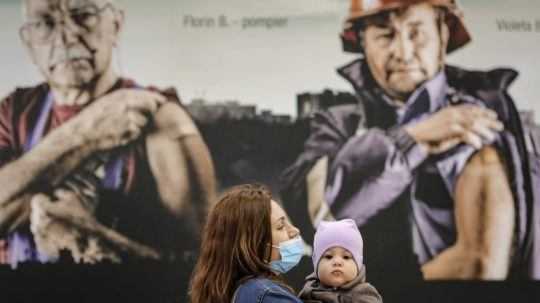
(251, 150)
(154, 282)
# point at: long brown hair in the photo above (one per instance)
(234, 244)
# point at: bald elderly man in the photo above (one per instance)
(92, 163)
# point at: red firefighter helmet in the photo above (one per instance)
(459, 36)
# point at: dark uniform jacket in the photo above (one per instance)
(403, 200)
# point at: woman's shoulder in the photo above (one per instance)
(260, 284)
(263, 290)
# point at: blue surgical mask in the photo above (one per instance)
(291, 252)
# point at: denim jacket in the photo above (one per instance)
(262, 290)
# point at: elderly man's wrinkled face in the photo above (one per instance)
(71, 41)
(403, 48)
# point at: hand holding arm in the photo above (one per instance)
(470, 124)
(112, 120)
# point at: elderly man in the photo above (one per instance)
(91, 163)
(444, 144)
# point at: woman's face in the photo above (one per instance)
(282, 229)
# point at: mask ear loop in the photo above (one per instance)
(268, 256)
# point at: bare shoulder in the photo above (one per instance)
(486, 155)
(174, 121)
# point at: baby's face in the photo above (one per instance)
(337, 267)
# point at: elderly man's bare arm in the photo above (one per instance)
(485, 219)
(183, 171)
(50, 160)
(112, 120)
(181, 164)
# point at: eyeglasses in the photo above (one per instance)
(42, 30)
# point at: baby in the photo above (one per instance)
(340, 275)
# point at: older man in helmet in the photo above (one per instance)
(90, 162)
(441, 142)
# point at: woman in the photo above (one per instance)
(247, 242)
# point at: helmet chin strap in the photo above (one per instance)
(443, 37)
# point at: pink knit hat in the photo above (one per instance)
(343, 233)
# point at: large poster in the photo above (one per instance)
(420, 125)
